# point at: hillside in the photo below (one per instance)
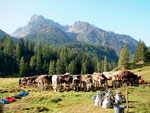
(49, 31)
(39, 28)
(92, 51)
(91, 34)
(2, 34)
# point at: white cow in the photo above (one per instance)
(56, 82)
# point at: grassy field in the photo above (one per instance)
(71, 102)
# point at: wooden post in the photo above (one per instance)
(127, 101)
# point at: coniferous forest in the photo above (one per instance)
(26, 59)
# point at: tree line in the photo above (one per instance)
(26, 59)
(141, 57)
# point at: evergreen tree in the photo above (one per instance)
(31, 47)
(52, 67)
(45, 67)
(102, 66)
(39, 49)
(124, 57)
(78, 62)
(106, 68)
(19, 50)
(32, 65)
(84, 68)
(63, 61)
(58, 67)
(46, 52)
(72, 67)
(89, 66)
(9, 47)
(38, 64)
(140, 54)
(98, 66)
(23, 67)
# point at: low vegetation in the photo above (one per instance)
(72, 102)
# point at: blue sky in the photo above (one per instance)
(131, 17)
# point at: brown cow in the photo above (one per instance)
(129, 78)
(99, 79)
(42, 80)
(86, 82)
(67, 79)
(114, 76)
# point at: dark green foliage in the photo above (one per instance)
(92, 50)
(52, 67)
(25, 59)
(124, 58)
(32, 65)
(23, 67)
(72, 67)
(141, 52)
(38, 64)
(9, 47)
(106, 68)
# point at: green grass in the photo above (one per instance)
(71, 102)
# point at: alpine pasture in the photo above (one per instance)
(70, 101)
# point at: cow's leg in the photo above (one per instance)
(113, 83)
(106, 84)
(41, 85)
(94, 84)
(44, 85)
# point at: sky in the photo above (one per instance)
(131, 17)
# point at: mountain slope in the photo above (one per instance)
(93, 50)
(36, 23)
(86, 33)
(2, 34)
(39, 28)
(52, 32)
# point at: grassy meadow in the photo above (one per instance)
(71, 102)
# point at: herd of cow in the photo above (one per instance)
(82, 82)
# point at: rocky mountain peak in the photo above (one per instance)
(80, 26)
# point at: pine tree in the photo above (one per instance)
(102, 66)
(63, 61)
(140, 54)
(58, 67)
(19, 50)
(45, 67)
(72, 67)
(9, 47)
(124, 57)
(78, 62)
(31, 47)
(23, 67)
(52, 67)
(38, 64)
(46, 52)
(98, 66)
(32, 65)
(106, 68)
(1, 62)
(84, 68)
(89, 66)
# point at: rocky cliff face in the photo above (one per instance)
(48, 30)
